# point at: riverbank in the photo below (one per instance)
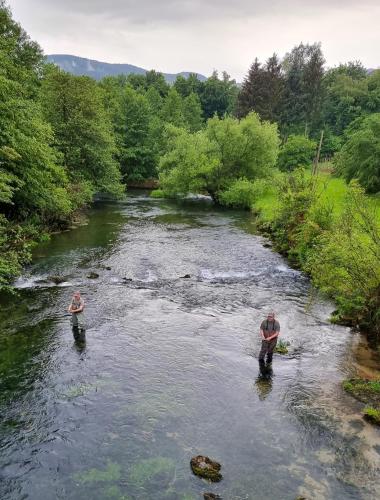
(332, 232)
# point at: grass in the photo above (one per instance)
(281, 347)
(372, 415)
(367, 391)
(331, 190)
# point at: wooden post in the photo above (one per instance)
(316, 159)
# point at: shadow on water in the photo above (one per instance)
(167, 368)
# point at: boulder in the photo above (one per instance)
(206, 468)
(56, 279)
(93, 275)
(211, 496)
(186, 276)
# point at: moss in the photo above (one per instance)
(111, 473)
(372, 415)
(145, 470)
(367, 391)
(206, 468)
(282, 347)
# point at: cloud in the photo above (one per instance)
(175, 35)
(172, 11)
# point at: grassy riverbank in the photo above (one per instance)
(331, 230)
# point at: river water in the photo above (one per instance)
(169, 368)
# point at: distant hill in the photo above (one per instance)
(96, 69)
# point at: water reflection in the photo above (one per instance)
(79, 338)
(264, 381)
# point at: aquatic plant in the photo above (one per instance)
(79, 390)
(367, 391)
(282, 347)
(372, 415)
(144, 471)
(111, 473)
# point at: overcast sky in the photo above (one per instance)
(201, 35)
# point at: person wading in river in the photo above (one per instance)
(269, 331)
(76, 309)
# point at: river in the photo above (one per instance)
(169, 368)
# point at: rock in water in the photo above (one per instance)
(205, 467)
(57, 279)
(93, 276)
(211, 496)
(186, 276)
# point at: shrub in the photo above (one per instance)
(241, 194)
(157, 193)
(297, 152)
(360, 156)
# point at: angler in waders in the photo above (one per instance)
(269, 331)
(76, 308)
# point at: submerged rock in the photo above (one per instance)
(205, 467)
(108, 268)
(186, 276)
(56, 279)
(211, 496)
(93, 275)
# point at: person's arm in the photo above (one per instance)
(275, 334)
(262, 334)
(81, 307)
(70, 309)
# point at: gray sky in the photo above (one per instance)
(196, 35)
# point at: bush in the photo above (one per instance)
(212, 160)
(297, 152)
(157, 193)
(346, 262)
(241, 194)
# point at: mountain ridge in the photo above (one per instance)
(82, 66)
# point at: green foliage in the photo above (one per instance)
(82, 130)
(360, 155)
(367, 391)
(262, 90)
(192, 112)
(296, 194)
(372, 415)
(282, 347)
(212, 159)
(240, 194)
(157, 193)
(218, 96)
(297, 152)
(347, 263)
(333, 233)
(172, 109)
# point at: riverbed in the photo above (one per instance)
(169, 367)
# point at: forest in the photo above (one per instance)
(297, 143)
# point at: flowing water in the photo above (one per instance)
(169, 368)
